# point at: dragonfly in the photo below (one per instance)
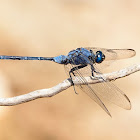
(83, 62)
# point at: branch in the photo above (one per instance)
(66, 84)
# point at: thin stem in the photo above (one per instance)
(65, 85)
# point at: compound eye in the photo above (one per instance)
(99, 57)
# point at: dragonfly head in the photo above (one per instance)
(99, 57)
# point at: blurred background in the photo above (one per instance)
(54, 27)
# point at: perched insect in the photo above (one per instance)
(82, 62)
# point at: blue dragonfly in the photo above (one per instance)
(83, 62)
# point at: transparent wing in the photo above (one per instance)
(113, 54)
(109, 91)
(87, 88)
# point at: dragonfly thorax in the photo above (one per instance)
(80, 56)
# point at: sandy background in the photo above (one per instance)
(51, 28)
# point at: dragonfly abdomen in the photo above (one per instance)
(24, 58)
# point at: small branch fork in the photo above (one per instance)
(65, 85)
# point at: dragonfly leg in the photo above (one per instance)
(94, 70)
(72, 71)
(72, 81)
(77, 68)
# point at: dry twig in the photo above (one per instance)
(64, 85)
